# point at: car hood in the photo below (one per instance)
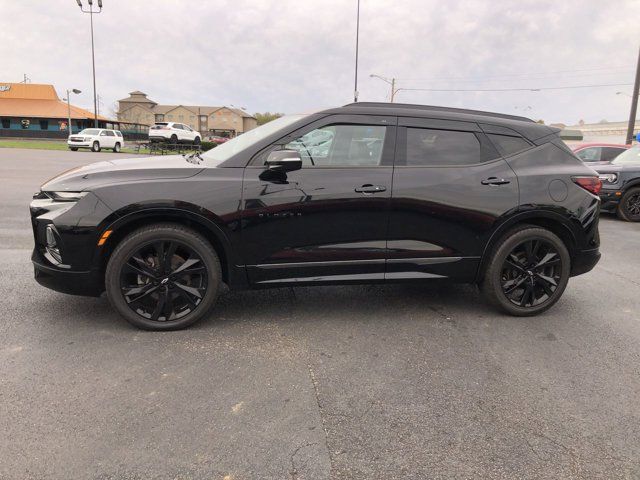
(628, 167)
(123, 170)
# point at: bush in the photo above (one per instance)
(208, 146)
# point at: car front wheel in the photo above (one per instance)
(629, 207)
(95, 147)
(197, 141)
(73, 149)
(528, 271)
(163, 277)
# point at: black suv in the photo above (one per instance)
(365, 193)
(620, 192)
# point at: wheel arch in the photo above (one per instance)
(124, 225)
(551, 221)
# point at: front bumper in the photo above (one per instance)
(609, 199)
(89, 283)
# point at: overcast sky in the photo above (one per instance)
(298, 55)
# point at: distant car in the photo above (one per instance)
(217, 139)
(96, 139)
(599, 153)
(620, 192)
(173, 133)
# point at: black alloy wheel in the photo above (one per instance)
(163, 277)
(531, 273)
(528, 272)
(629, 208)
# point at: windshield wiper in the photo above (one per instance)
(193, 158)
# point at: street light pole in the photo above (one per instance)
(93, 58)
(76, 91)
(390, 81)
(355, 88)
(634, 103)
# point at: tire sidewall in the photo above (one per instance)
(95, 146)
(116, 148)
(493, 277)
(152, 234)
(623, 213)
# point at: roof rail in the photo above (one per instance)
(437, 109)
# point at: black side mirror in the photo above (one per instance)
(284, 161)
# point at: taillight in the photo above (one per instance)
(590, 184)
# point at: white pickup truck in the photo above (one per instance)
(173, 133)
(96, 139)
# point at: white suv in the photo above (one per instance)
(96, 139)
(173, 133)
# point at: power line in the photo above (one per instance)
(537, 89)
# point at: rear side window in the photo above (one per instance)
(428, 147)
(508, 145)
(109, 133)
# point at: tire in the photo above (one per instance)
(73, 149)
(501, 278)
(95, 147)
(116, 148)
(171, 286)
(197, 141)
(629, 207)
(173, 140)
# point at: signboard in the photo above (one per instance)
(5, 88)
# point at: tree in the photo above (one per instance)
(266, 117)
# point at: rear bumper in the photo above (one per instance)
(584, 261)
(89, 283)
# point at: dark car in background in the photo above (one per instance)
(598, 153)
(365, 193)
(620, 192)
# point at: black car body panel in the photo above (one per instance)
(325, 223)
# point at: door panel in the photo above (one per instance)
(324, 222)
(442, 213)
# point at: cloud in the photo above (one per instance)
(295, 55)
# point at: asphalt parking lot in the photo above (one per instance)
(369, 382)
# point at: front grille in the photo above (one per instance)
(76, 139)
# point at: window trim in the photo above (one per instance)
(488, 152)
(388, 148)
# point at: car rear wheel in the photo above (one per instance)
(173, 140)
(95, 147)
(629, 207)
(528, 271)
(163, 277)
(116, 148)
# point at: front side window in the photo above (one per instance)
(609, 153)
(340, 146)
(427, 147)
(508, 145)
(591, 154)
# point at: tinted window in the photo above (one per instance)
(110, 133)
(340, 145)
(118, 133)
(441, 147)
(591, 154)
(507, 145)
(609, 153)
(178, 126)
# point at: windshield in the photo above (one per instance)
(631, 156)
(90, 131)
(226, 150)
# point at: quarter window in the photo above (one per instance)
(427, 147)
(340, 145)
(508, 145)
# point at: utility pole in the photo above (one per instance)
(355, 88)
(393, 89)
(390, 81)
(69, 92)
(634, 103)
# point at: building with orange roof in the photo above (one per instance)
(35, 110)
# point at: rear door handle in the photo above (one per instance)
(368, 188)
(495, 181)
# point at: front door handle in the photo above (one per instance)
(368, 188)
(495, 181)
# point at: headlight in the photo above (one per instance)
(608, 177)
(66, 196)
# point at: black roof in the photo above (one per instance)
(523, 125)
